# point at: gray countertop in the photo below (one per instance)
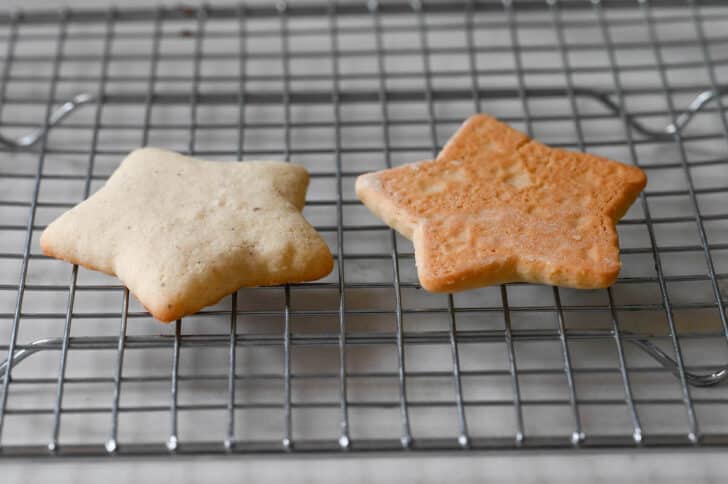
(532, 468)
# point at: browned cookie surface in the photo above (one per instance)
(497, 206)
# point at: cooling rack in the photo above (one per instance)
(365, 360)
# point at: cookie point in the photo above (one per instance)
(367, 181)
(143, 151)
(44, 244)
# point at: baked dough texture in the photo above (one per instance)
(182, 233)
(496, 206)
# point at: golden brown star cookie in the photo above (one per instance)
(496, 206)
(182, 233)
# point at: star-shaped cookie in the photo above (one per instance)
(496, 206)
(182, 233)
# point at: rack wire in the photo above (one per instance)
(365, 360)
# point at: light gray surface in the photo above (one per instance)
(655, 467)
(669, 468)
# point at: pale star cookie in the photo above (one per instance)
(182, 233)
(497, 206)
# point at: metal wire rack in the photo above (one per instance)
(365, 360)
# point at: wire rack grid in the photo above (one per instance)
(365, 360)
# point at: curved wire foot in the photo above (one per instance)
(696, 105)
(29, 139)
(712, 378)
(681, 121)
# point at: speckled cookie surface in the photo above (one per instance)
(182, 233)
(496, 206)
